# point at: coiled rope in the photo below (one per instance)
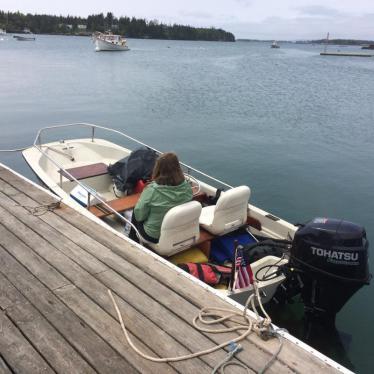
(262, 327)
(41, 209)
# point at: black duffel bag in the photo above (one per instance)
(129, 170)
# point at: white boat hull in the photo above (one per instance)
(24, 38)
(103, 45)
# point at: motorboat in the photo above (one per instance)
(2, 31)
(325, 260)
(369, 46)
(109, 42)
(24, 38)
(274, 45)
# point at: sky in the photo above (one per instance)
(252, 19)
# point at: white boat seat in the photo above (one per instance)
(229, 213)
(179, 230)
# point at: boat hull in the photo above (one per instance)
(24, 38)
(103, 45)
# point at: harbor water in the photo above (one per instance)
(296, 127)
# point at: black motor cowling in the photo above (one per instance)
(331, 258)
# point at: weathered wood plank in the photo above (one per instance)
(49, 343)
(145, 333)
(17, 351)
(143, 327)
(22, 185)
(175, 325)
(4, 368)
(90, 346)
(90, 286)
(9, 208)
(36, 264)
(8, 294)
(113, 334)
(38, 244)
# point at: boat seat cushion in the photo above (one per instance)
(179, 229)
(229, 213)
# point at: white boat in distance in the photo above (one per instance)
(275, 44)
(24, 38)
(317, 258)
(109, 42)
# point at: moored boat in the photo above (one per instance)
(24, 38)
(369, 46)
(325, 257)
(274, 44)
(109, 42)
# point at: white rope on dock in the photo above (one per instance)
(262, 327)
(247, 327)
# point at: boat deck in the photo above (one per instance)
(56, 316)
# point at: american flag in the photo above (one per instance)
(243, 271)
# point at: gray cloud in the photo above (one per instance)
(196, 15)
(244, 3)
(306, 27)
(319, 11)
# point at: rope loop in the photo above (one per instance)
(209, 316)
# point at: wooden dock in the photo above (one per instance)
(56, 316)
(346, 54)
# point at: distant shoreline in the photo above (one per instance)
(347, 42)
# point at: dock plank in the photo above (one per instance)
(45, 272)
(96, 289)
(89, 284)
(45, 338)
(90, 346)
(18, 353)
(4, 368)
(10, 208)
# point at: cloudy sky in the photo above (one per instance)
(255, 19)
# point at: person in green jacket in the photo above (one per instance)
(167, 190)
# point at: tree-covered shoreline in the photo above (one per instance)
(16, 22)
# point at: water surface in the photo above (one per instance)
(294, 126)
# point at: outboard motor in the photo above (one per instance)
(330, 257)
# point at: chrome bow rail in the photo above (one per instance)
(38, 144)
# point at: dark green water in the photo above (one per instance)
(296, 127)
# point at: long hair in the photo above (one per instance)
(167, 170)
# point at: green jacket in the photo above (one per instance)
(156, 200)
